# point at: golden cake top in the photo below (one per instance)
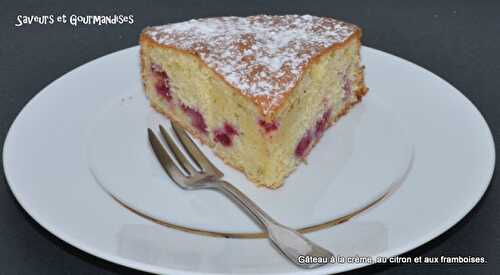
(263, 56)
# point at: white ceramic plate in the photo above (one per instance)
(346, 173)
(89, 128)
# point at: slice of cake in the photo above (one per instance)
(259, 90)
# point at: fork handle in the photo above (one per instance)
(290, 242)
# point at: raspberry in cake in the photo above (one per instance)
(259, 90)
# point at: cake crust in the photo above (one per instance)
(267, 84)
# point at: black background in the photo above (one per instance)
(457, 40)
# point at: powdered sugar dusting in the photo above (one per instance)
(263, 56)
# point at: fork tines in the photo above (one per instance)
(204, 166)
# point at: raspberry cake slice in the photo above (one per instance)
(259, 90)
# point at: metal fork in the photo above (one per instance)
(290, 242)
